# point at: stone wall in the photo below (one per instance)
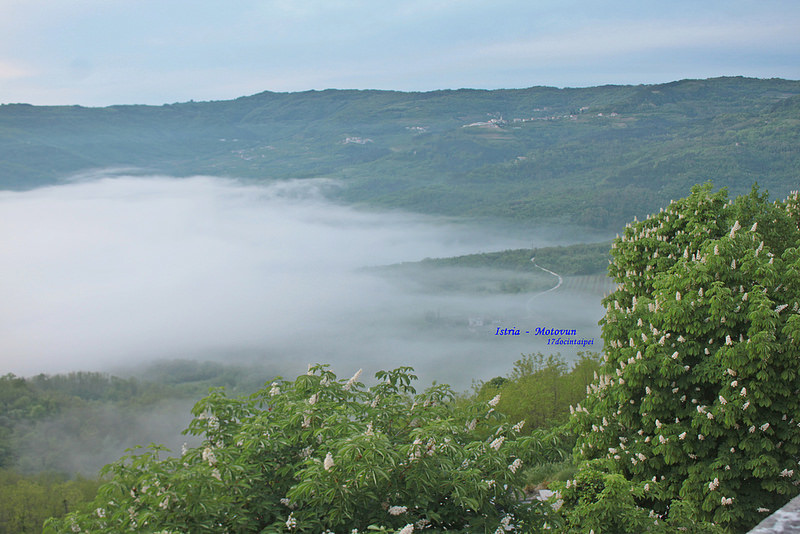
(783, 521)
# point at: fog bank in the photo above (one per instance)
(113, 271)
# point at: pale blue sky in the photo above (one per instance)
(102, 52)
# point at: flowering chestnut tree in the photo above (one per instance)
(319, 454)
(698, 404)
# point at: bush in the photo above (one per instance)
(699, 397)
(320, 454)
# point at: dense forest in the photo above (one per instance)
(595, 156)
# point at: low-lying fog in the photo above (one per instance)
(104, 273)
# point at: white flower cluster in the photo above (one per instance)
(516, 464)
(208, 456)
(213, 423)
(348, 386)
(505, 524)
(495, 401)
(713, 485)
(408, 529)
(328, 463)
(497, 443)
(397, 510)
(736, 227)
(415, 452)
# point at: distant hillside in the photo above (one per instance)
(595, 156)
(580, 259)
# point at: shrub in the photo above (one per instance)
(320, 454)
(699, 394)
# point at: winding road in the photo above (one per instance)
(560, 281)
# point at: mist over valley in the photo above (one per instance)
(109, 273)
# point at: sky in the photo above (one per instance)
(105, 52)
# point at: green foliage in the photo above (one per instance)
(699, 393)
(541, 389)
(318, 454)
(566, 260)
(27, 501)
(78, 421)
(601, 500)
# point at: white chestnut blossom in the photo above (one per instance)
(735, 227)
(328, 463)
(497, 443)
(397, 510)
(352, 380)
(208, 456)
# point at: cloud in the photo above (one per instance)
(634, 37)
(10, 70)
(110, 271)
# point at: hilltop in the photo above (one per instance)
(594, 156)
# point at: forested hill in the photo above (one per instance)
(595, 156)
